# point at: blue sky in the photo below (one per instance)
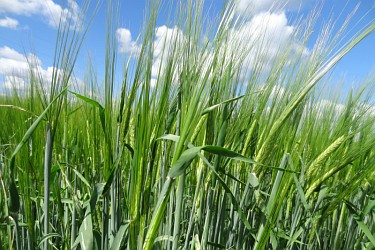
(29, 27)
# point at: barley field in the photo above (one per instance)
(210, 154)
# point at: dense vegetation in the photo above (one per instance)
(205, 156)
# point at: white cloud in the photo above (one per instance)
(333, 108)
(277, 91)
(259, 41)
(249, 8)
(262, 39)
(167, 40)
(153, 82)
(369, 109)
(15, 67)
(6, 52)
(12, 62)
(8, 22)
(47, 9)
(14, 82)
(372, 110)
(126, 43)
(266, 33)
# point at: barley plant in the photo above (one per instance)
(210, 154)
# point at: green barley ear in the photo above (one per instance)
(211, 138)
(312, 81)
(319, 161)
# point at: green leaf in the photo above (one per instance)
(80, 176)
(116, 245)
(253, 179)
(55, 169)
(169, 137)
(98, 190)
(236, 156)
(14, 201)
(87, 100)
(369, 207)
(115, 166)
(183, 162)
(281, 234)
(360, 222)
(227, 189)
(221, 170)
(131, 150)
(224, 152)
(299, 187)
(85, 234)
(216, 245)
(213, 107)
(164, 237)
(94, 104)
(178, 169)
(31, 130)
(47, 237)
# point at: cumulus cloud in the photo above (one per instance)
(47, 9)
(324, 105)
(368, 109)
(8, 22)
(264, 34)
(259, 41)
(12, 62)
(371, 108)
(247, 7)
(277, 91)
(165, 38)
(268, 32)
(15, 68)
(14, 82)
(250, 8)
(165, 41)
(262, 39)
(125, 41)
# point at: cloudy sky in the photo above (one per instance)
(28, 31)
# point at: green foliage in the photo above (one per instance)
(210, 154)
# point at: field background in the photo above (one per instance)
(196, 145)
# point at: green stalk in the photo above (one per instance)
(279, 190)
(115, 194)
(249, 181)
(178, 210)
(6, 212)
(105, 219)
(110, 59)
(158, 214)
(47, 175)
(73, 227)
(317, 152)
(212, 188)
(181, 184)
(336, 243)
(197, 192)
